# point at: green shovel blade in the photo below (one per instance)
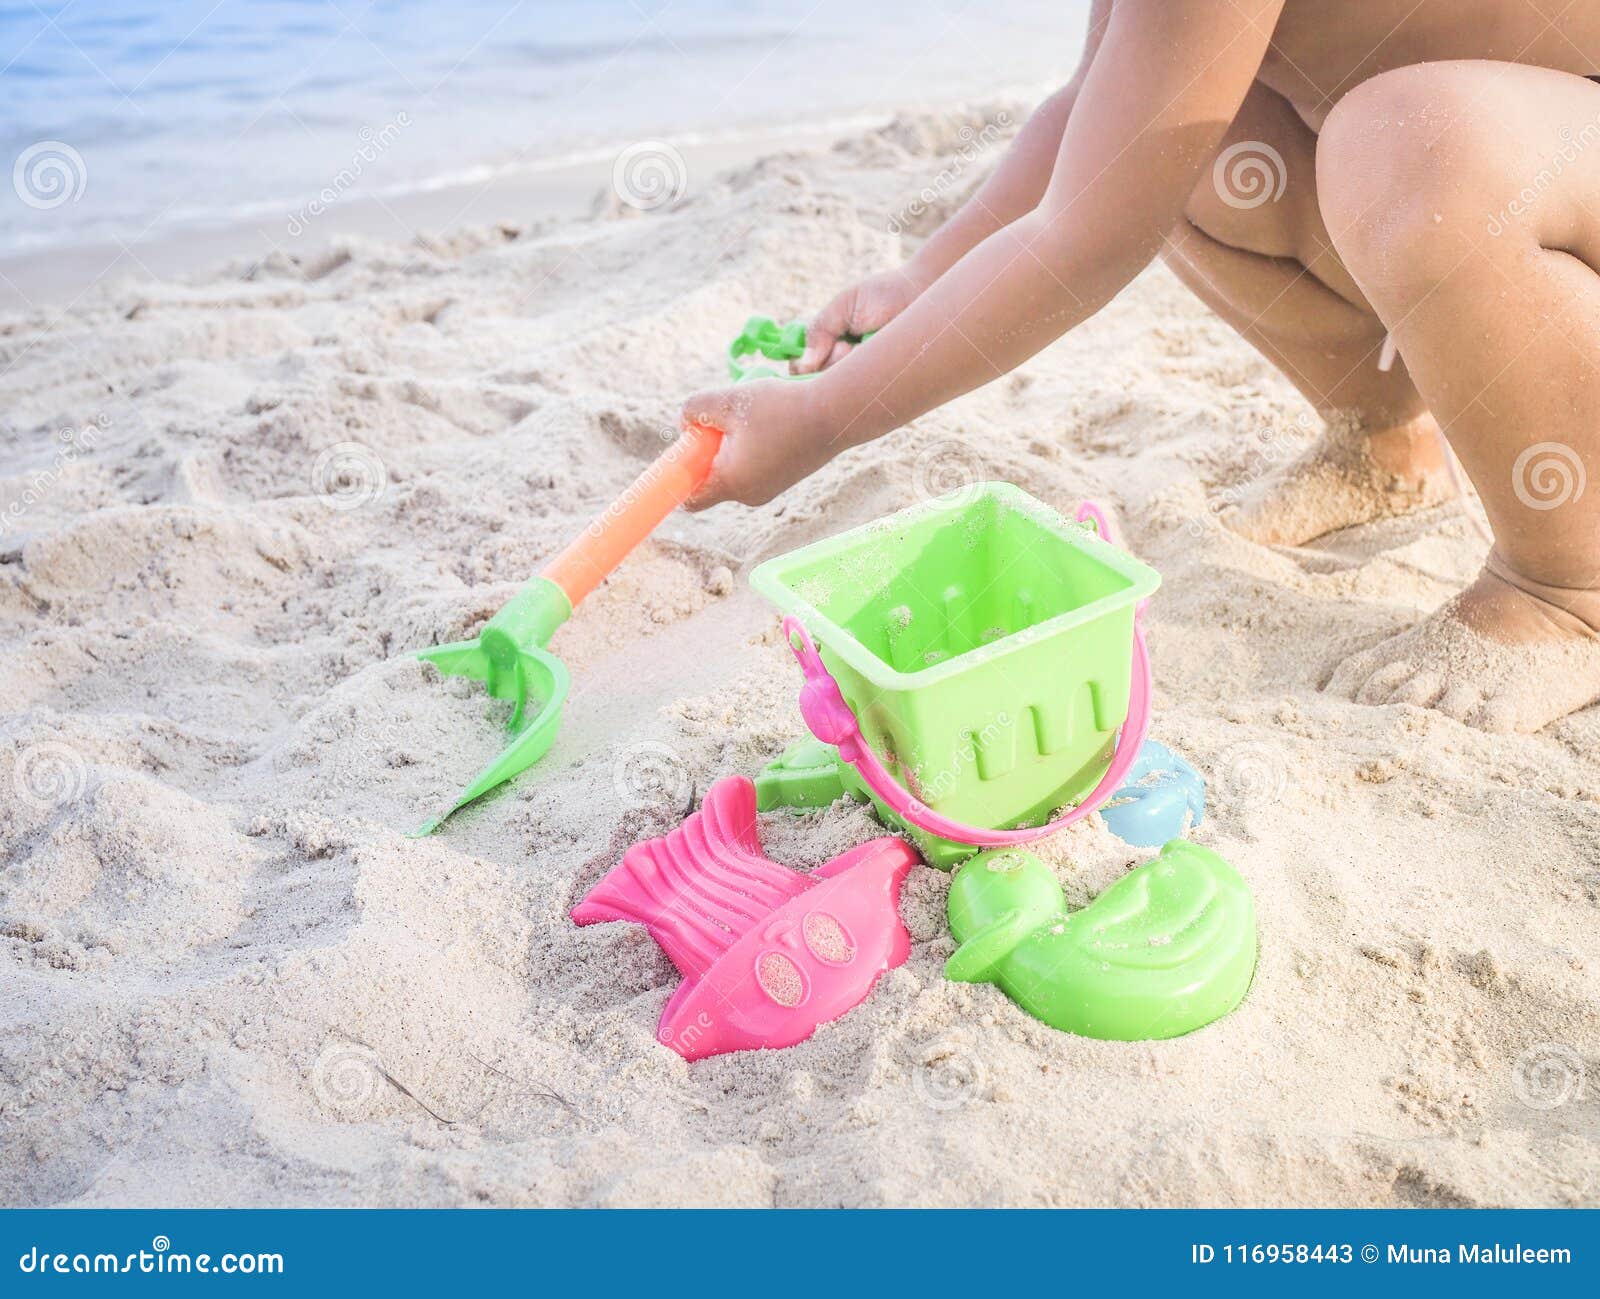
(509, 657)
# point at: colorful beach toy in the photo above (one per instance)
(767, 953)
(764, 337)
(509, 654)
(979, 673)
(977, 665)
(1162, 798)
(1167, 949)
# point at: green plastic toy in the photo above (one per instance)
(982, 642)
(509, 656)
(763, 336)
(1167, 949)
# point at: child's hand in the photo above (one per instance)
(772, 438)
(863, 307)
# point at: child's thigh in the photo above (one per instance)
(1259, 195)
(1421, 166)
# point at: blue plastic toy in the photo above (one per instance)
(1162, 798)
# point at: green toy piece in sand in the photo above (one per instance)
(764, 337)
(1167, 949)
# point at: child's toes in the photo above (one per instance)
(1498, 716)
(1354, 673)
(1421, 691)
(1382, 684)
(1460, 701)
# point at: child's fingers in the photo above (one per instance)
(711, 492)
(712, 408)
(823, 332)
(841, 349)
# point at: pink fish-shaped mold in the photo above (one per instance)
(766, 953)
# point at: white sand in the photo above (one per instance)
(229, 978)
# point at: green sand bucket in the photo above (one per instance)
(984, 644)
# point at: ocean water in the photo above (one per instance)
(129, 119)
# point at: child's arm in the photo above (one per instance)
(1167, 81)
(1014, 188)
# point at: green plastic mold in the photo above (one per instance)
(809, 774)
(764, 337)
(1167, 949)
(984, 643)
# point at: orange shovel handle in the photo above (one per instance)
(634, 515)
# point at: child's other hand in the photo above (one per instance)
(863, 307)
(772, 438)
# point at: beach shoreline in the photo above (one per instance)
(540, 194)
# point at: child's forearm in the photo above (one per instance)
(1015, 293)
(1014, 190)
(1019, 182)
(1126, 166)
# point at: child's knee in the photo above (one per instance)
(1410, 165)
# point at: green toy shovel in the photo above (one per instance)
(509, 654)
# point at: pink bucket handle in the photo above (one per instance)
(830, 719)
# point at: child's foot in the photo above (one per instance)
(1500, 656)
(1350, 476)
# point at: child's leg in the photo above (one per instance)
(1269, 269)
(1465, 200)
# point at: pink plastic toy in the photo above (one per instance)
(766, 953)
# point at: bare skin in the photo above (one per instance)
(1432, 172)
